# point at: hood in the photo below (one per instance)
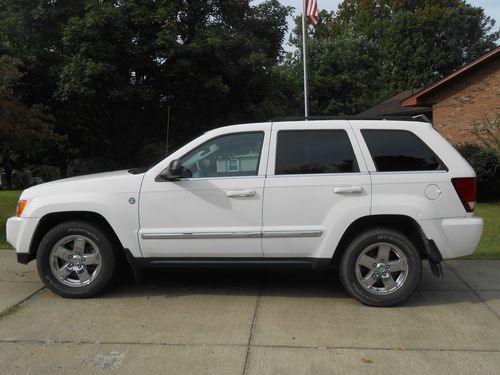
(113, 182)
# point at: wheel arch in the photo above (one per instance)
(402, 223)
(50, 220)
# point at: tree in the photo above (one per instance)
(401, 44)
(343, 74)
(31, 32)
(211, 61)
(109, 70)
(25, 132)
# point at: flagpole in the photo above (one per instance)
(304, 59)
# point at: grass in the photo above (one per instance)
(10, 310)
(8, 202)
(489, 247)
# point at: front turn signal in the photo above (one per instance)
(20, 207)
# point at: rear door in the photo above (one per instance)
(317, 184)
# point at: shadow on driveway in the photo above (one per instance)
(291, 283)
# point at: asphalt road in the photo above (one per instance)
(250, 322)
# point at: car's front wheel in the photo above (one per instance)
(381, 267)
(76, 259)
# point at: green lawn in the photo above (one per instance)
(489, 248)
(8, 202)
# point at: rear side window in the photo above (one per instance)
(314, 151)
(400, 151)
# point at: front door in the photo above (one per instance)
(216, 210)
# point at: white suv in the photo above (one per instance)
(374, 197)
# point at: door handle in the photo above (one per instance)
(240, 193)
(347, 189)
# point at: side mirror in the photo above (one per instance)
(172, 173)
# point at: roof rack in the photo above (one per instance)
(418, 118)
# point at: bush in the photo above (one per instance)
(21, 180)
(486, 163)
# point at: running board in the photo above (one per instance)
(138, 264)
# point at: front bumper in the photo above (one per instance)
(20, 231)
(454, 237)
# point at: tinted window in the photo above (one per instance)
(400, 150)
(228, 155)
(314, 151)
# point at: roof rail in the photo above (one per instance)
(317, 118)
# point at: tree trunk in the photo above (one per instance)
(63, 168)
(8, 176)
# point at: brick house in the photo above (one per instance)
(455, 103)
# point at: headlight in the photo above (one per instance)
(20, 207)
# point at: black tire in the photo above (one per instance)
(92, 234)
(365, 294)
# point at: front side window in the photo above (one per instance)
(235, 154)
(314, 151)
(400, 151)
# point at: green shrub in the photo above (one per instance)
(487, 131)
(486, 162)
(21, 180)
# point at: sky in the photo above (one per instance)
(491, 8)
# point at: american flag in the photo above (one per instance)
(312, 11)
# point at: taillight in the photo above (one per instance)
(466, 190)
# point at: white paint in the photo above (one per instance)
(264, 215)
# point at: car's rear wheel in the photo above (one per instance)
(381, 267)
(76, 259)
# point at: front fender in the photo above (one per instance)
(115, 208)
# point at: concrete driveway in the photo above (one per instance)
(250, 322)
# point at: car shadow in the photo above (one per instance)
(241, 282)
(291, 283)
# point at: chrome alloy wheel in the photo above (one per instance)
(75, 261)
(381, 268)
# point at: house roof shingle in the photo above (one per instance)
(392, 106)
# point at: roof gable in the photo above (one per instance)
(417, 98)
